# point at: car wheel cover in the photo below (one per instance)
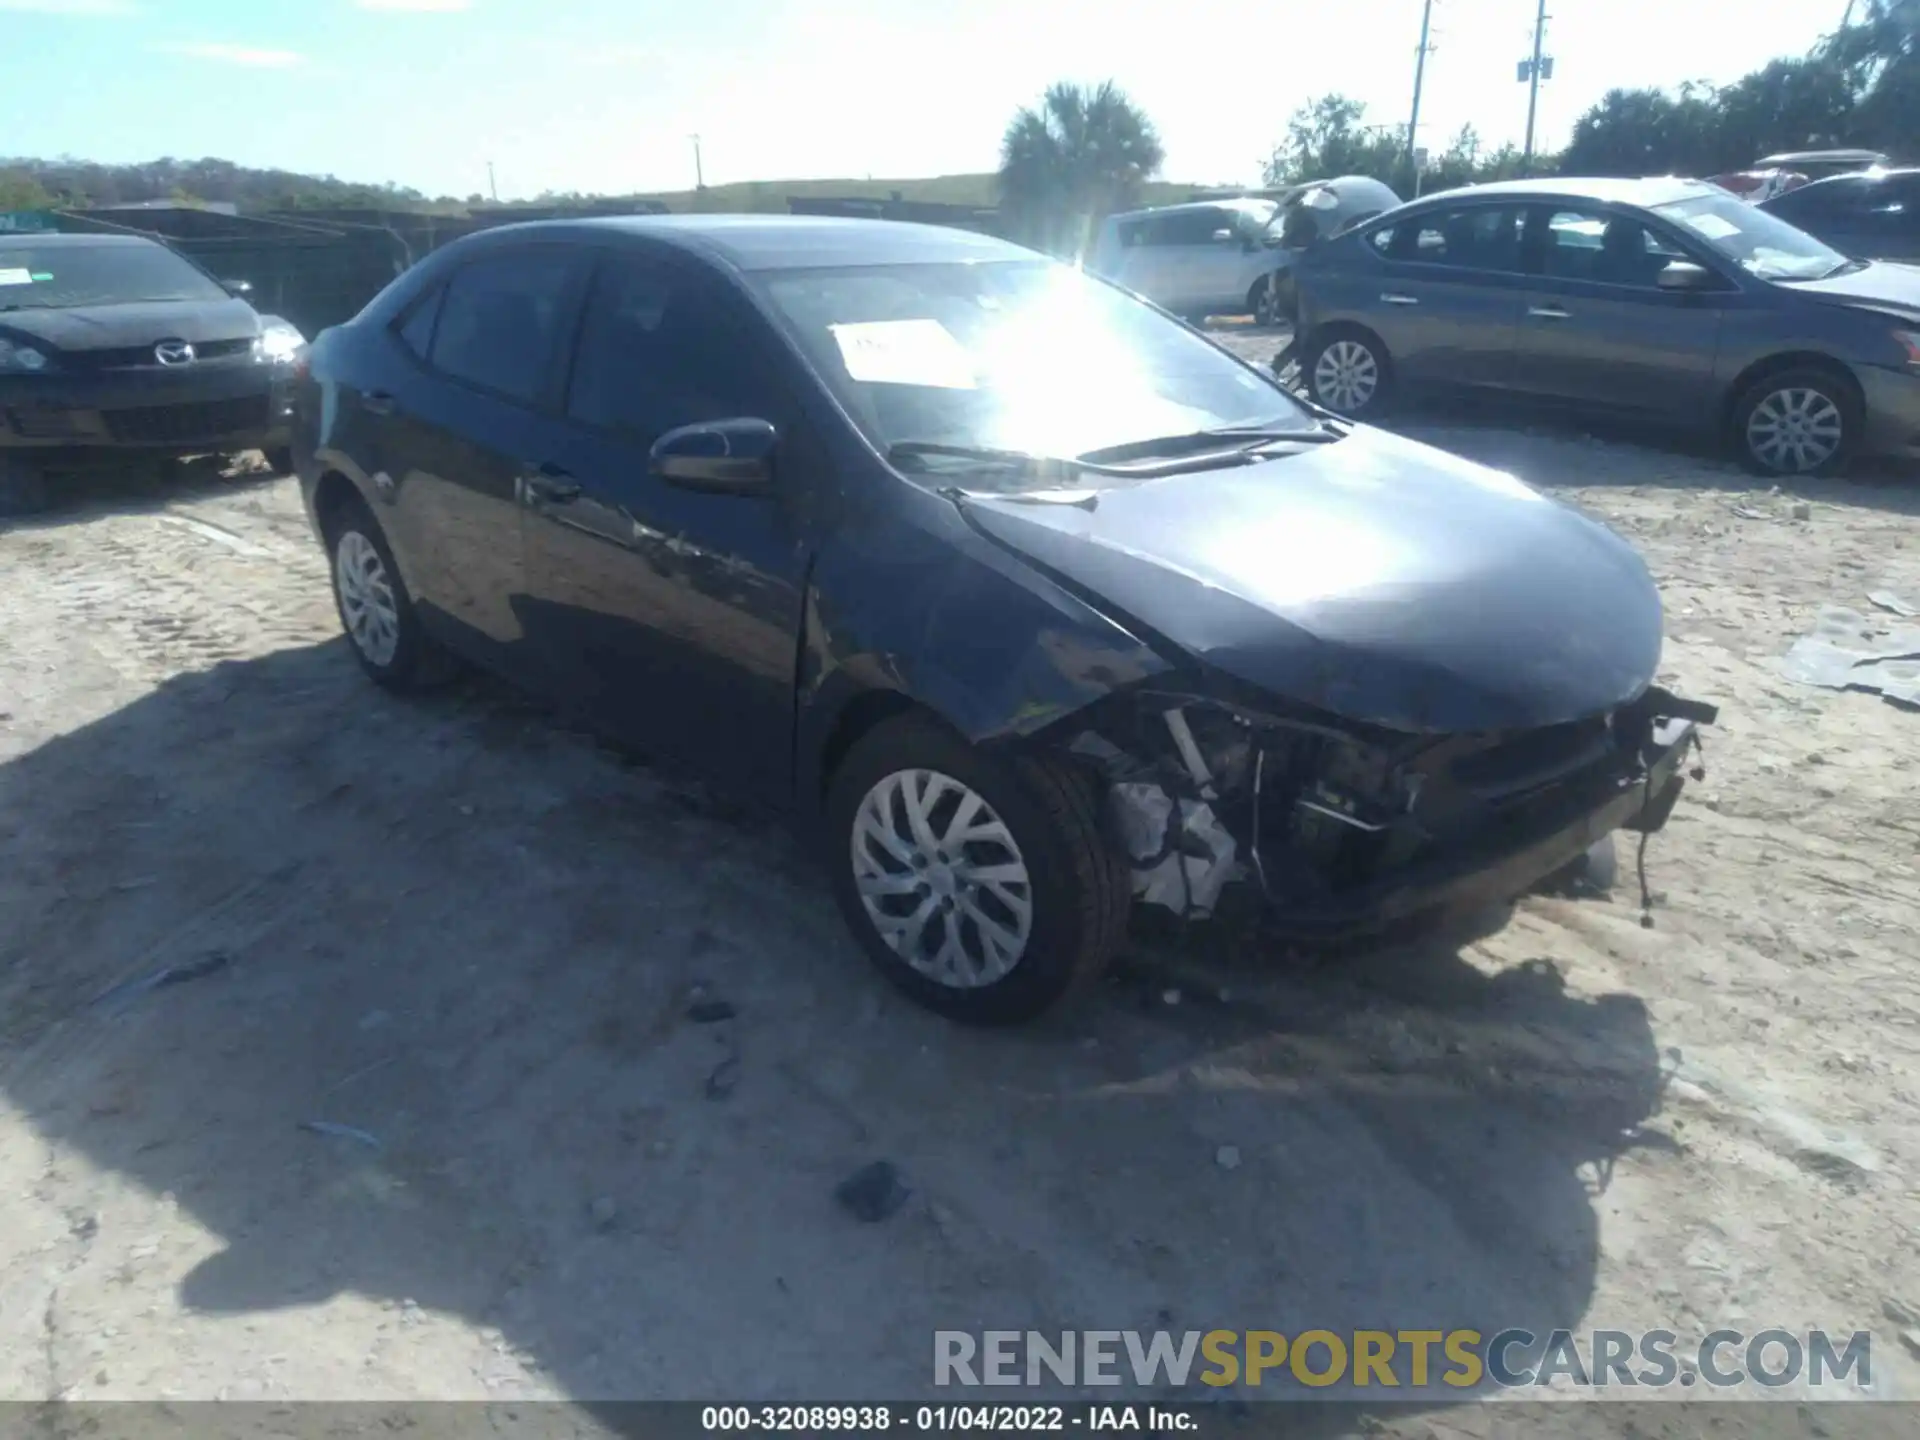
(1795, 430)
(367, 603)
(1346, 375)
(942, 879)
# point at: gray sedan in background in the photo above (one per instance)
(1668, 300)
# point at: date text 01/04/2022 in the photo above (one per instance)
(952, 1419)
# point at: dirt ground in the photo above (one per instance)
(471, 935)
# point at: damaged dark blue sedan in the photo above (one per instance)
(1031, 601)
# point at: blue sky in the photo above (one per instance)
(602, 94)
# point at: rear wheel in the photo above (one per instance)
(1797, 422)
(1348, 372)
(985, 888)
(375, 610)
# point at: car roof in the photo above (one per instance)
(57, 237)
(1823, 157)
(782, 242)
(1647, 191)
(1230, 202)
(1854, 177)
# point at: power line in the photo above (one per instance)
(1419, 78)
(1530, 71)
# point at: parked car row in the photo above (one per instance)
(1028, 600)
(1668, 300)
(119, 344)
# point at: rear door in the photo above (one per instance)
(669, 615)
(1836, 211)
(1597, 330)
(455, 434)
(1447, 302)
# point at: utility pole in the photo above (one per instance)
(1533, 85)
(699, 175)
(492, 187)
(1419, 77)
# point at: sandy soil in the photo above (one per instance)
(472, 934)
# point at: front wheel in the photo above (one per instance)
(984, 887)
(375, 610)
(1348, 372)
(1798, 422)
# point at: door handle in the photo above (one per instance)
(1391, 297)
(1548, 312)
(549, 483)
(378, 401)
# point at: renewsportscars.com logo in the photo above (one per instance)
(1613, 1360)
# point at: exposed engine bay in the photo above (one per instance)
(1341, 826)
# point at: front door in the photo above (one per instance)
(455, 431)
(671, 616)
(1597, 330)
(1448, 306)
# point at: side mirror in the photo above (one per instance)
(240, 289)
(1685, 275)
(719, 457)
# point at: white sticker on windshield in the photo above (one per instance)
(905, 352)
(16, 277)
(1714, 227)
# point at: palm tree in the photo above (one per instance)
(1081, 154)
(1879, 49)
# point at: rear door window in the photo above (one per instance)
(416, 328)
(1475, 237)
(500, 320)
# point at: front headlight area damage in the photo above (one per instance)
(1342, 827)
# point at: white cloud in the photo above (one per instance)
(70, 7)
(235, 54)
(421, 6)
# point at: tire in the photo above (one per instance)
(390, 643)
(1077, 886)
(23, 487)
(1348, 372)
(1594, 872)
(1260, 301)
(279, 459)
(1803, 421)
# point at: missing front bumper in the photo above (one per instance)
(1462, 878)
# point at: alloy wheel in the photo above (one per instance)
(1346, 376)
(942, 878)
(367, 602)
(1795, 430)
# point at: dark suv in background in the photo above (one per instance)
(1874, 215)
(117, 344)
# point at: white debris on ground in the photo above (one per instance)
(468, 934)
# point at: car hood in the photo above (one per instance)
(1372, 578)
(1880, 285)
(119, 327)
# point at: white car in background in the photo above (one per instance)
(1228, 257)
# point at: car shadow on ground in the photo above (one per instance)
(141, 483)
(1547, 446)
(392, 1000)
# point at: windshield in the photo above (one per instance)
(1015, 356)
(59, 277)
(1763, 244)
